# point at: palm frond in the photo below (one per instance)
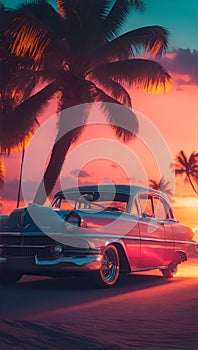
(118, 15)
(161, 185)
(43, 12)
(152, 40)
(17, 125)
(115, 90)
(193, 159)
(188, 168)
(2, 8)
(145, 74)
(181, 158)
(154, 184)
(122, 120)
(91, 15)
(179, 171)
(65, 7)
(92, 11)
(30, 37)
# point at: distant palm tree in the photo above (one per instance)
(2, 173)
(188, 167)
(78, 52)
(2, 177)
(161, 185)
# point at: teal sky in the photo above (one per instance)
(180, 17)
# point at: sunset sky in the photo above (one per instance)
(174, 115)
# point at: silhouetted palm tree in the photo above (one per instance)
(2, 173)
(18, 110)
(161, 185)
(188, 167)
(79, 52)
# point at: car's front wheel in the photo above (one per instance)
(171, 271)
(9, 277)
(109, 272)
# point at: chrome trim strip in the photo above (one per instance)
(26, 246)
(101, 236)
(138, 238)
(86, 263)
(140, 269)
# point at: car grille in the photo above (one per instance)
(22, 251)
(26, 245)
(40, 245)
(28, 240)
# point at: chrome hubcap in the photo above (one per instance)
(109, 266)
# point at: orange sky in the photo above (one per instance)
(174, 114)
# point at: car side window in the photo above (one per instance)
(146, 205)
(134, 208)
(160, 208)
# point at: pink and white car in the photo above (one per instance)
(101, 230)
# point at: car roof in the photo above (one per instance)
(122, 189)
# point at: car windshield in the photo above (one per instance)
(92, 200)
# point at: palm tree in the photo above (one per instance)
(18, 105)
(161, 185)
(78, 52)
(188, 167)
(2, 173)
(2, 177)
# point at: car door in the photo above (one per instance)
(152, 234)
(132, 237)
(164, 215)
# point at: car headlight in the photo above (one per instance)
(73, 219)
(58, 249)
(55, 249)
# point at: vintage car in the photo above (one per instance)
(101, 230)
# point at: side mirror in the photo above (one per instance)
(145, 214)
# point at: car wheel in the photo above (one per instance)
(170, 272)
(10, 277)
(109, 271)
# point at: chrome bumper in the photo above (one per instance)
(86, 263)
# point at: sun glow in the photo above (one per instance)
(186, 202)
(159, 88)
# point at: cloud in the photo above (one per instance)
(80, 173)
(9, 190)
(183, 62)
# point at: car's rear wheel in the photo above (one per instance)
(171, 271)
(108, 274)
(9, 277)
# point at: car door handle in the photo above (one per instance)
(161, 223)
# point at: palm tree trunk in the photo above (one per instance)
(20, 177)
(54, 167)
(192, 185)
(64, 139)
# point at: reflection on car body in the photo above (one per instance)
(102, 230)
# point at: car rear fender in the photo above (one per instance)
(179, 257)
(124, 263)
